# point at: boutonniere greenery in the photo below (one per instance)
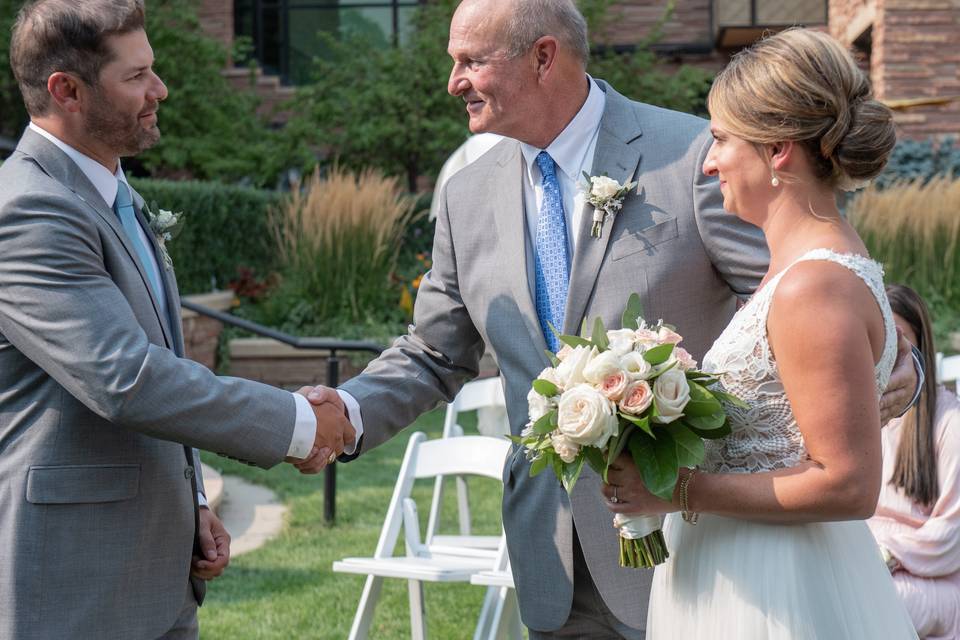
(606, 196)
(166, 226)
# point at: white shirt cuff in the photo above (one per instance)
(202, 500)
(353, 411)
(304, 429)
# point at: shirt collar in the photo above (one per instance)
(103, 181)
(569, 149)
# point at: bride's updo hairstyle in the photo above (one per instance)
(803, 86)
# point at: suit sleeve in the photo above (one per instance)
(429, 364)
(62, 310)
(737, 249)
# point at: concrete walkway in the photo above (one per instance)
(252, 514)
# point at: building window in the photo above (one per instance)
(285, 33)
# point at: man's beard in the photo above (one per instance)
(121, 133)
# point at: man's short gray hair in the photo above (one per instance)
(533, 19)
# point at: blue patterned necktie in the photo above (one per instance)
(552, 270)
(123, 207)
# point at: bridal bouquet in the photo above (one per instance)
(630, 389)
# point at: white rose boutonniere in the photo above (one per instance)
(165, 225)
(606, 196)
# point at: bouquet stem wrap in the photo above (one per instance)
(641, 541)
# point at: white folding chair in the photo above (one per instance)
(500, 615)
(484, 395)
(948, 370)
(466, 455)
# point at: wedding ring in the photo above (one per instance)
(332, 458)
(614, 499)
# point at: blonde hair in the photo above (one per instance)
(803, 86)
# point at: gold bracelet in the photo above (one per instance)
(685, 512)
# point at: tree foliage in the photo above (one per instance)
(384, 107)
(210, 130)
(387, 107)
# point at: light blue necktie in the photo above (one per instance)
(123, 207)
(552, 270)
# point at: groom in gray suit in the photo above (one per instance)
(513, 252)
(103, 528)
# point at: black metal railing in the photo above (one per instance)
(334, 347)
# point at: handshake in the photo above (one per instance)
(334, 431)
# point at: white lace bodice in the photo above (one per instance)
(765, 435)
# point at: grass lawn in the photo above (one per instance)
(286, 589)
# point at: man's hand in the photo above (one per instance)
(903, 382)
(334, 431)
(215, 545)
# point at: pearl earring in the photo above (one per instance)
(774, 180)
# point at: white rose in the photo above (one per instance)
(586, 417)
(538, 406)
(604, 187)
(634, 364)
(605, 364)
(570, 371)
(621, 341)
(565, 448)
(166, 218)
(550, 375)
(671, 393)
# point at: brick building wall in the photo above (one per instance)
(914, 56)
(216, 18)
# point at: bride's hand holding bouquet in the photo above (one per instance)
(627, 397)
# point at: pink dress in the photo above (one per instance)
(926, 540)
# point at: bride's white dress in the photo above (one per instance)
(733, 579)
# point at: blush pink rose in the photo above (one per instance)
(636, 398)
(614, 385)
(684, 359)
(669, 335)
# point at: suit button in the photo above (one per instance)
(188, 473)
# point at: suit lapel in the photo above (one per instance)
(512, 235)
(62, 169)
(615, 157)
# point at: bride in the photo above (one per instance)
(767, 538)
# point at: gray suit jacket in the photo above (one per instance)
(97, 488)
(672, 243)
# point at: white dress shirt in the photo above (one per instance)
(105, 183)
(573, 152)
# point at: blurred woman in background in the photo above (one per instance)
(917, 523)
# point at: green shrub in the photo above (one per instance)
(226, 228)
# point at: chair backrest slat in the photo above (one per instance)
(467, 455)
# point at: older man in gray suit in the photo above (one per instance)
(101, 533)
(514, 251)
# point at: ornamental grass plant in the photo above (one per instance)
(913, 228)
(338, 237)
